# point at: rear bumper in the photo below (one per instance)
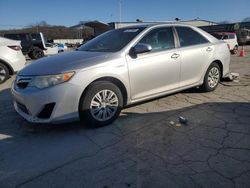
(18, 63)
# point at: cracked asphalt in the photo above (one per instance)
(145, 147)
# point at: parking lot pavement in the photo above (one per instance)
(145, 147)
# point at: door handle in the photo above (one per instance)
(175, 56)
(209, 49)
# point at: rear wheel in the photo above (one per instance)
(235, 50)
(4, 73)
(212, 77)
(36, 53)
(101, 104)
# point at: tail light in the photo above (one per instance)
(15, 47)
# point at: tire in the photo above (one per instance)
(235, 50)
(4, 73)
(95, 105)
(212, 78)
(36, 53)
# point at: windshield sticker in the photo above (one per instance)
(131, 30)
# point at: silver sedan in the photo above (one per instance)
(118, 68)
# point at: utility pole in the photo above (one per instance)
(120, 10)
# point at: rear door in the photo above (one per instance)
(25, 42)
(196, 54)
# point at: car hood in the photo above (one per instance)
(68, 61)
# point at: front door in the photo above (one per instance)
(156, 71)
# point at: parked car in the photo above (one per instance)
(61, 47)
(33, 44)
(51, 49)
(11, 58)
(230, 38)
(118, 68)
(243, 36)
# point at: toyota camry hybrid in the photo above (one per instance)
(118, 68)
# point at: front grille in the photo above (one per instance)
(23, 108)
(46, 111)
(22, 82)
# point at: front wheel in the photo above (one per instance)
(101, 104)
(212, 78)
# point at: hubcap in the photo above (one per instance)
(104, 105)
(2, 74)
(213, 77)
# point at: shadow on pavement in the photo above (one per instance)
(157, 138)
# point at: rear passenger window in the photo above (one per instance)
(160, 39)
(189, 37)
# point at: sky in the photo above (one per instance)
(21, 13)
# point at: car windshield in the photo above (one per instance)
(111, 41)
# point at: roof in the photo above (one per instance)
(195, 22)
(200, 20)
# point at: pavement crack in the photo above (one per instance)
(62, 165)
(154, 154)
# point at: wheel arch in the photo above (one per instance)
(113, 80)
(9, 67)
(219, 63)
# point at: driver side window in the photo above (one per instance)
(160, 39)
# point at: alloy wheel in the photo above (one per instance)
(213, 77)
(104, 105)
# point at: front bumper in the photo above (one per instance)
(55, 104)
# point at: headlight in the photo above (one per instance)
(50, 80)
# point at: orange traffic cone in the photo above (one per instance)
(242, 52)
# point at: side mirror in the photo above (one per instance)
(142, 48)
(139, 49)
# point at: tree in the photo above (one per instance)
(43, 24)
(247, 19)
(224, 22)
(139, 20)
